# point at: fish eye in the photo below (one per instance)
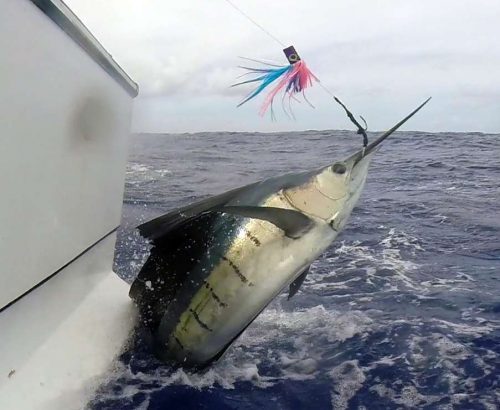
(339, 168)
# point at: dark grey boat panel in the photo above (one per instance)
(60, 14)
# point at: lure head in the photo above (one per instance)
(291, 54)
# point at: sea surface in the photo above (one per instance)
(401, 312)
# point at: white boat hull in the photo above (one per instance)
(65, 110)
(58, 343)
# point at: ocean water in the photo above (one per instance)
(402, 311)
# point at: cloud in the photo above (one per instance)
(380, 56)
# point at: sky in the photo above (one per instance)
(381, 57)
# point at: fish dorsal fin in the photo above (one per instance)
(293, 223)
(162, 225)
(297, 283)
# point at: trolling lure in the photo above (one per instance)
(289, 80)
(293, 79)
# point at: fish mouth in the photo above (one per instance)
(362, 153)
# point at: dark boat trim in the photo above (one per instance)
(61, 14)
(8, 305)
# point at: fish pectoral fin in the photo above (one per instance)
(293, 223)
(297, 283)
(163, 225)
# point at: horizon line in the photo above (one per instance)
(303, 131)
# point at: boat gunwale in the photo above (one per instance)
(63, 17)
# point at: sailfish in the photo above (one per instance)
(217, 263)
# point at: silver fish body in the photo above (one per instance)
(216, 264)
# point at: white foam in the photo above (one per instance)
(448, 356)
(310, 331)
(224, 374)
(135, 168)
(348, 378)
(304, 325)
(396, 239)
(145, 172)
(465, 328)
(389, 258)
(408, 396)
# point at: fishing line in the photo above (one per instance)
(234, 6)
